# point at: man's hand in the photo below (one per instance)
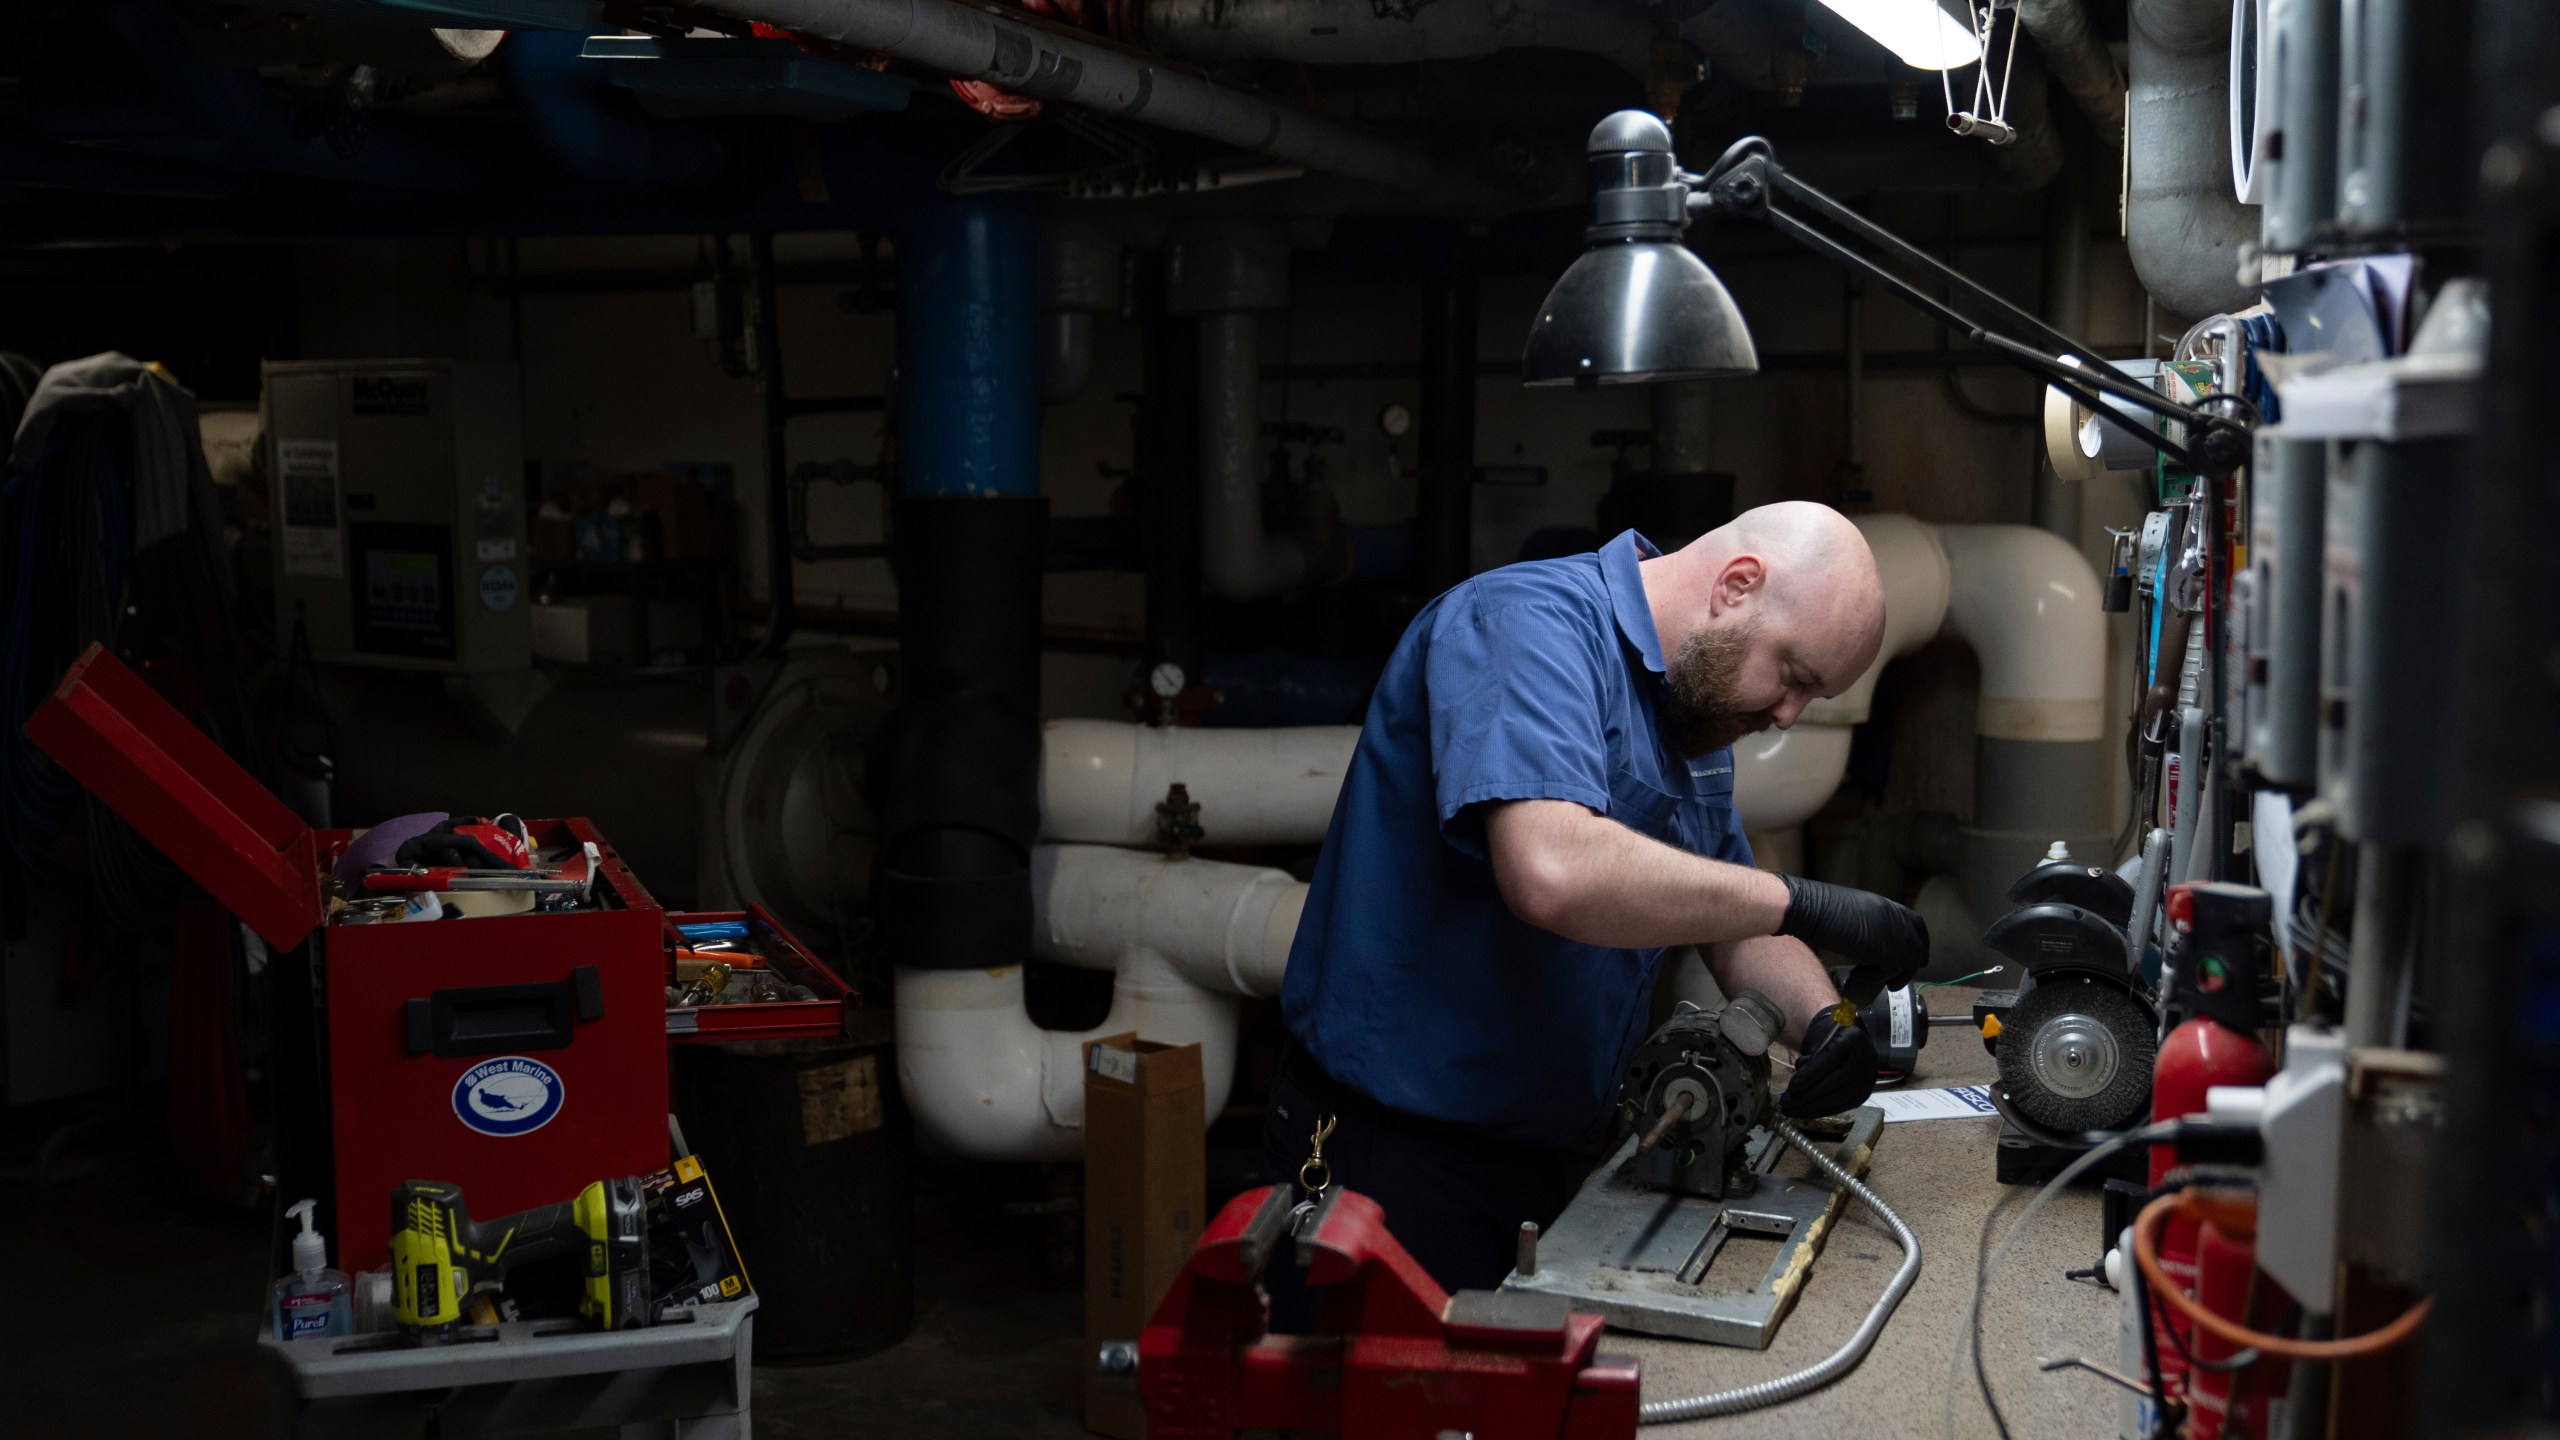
(1835, 1070)
(1878, 935)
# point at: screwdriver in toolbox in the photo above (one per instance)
(458, 877)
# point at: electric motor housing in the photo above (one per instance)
(1693, 1058)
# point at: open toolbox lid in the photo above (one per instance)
(113, 733)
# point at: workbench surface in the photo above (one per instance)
(1936, 1174)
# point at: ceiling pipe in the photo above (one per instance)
(1356, 32)
(2034, 157)
(1031, 56)
(2183, 224)
(182, 107)
(593, 130)
(2079, 61)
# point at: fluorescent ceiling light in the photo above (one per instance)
(1920, 34)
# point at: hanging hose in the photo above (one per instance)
(1841, 1361)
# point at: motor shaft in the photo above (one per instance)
(1672, 1116)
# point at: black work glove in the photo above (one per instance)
(1835, 1071)
(441, 846)
(1885, 942)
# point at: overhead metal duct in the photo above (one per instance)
(1031, 56)
(1356, 32)
(2182, 222)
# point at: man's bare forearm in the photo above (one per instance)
(1563, 868)
(1779, 967)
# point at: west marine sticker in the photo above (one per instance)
(510, 1095)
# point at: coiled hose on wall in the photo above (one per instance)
(1839, 1362)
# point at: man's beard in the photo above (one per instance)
(1698, 709)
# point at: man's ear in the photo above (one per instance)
(1742, 577)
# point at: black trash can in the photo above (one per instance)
(812, 1155)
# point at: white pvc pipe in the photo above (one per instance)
(2027, 602)
(1101, 780)
(1221, 927)
(1913, 568)
(1781, 777)
(984, 1083)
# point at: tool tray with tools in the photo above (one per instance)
(738, 975)
(687, 1376)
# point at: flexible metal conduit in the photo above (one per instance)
(1034, 57)
(1839, 1362)
(1355, 32)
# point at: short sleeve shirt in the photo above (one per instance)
(1410, 979)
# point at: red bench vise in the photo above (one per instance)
(1395, 1356)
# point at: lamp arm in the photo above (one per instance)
(2072, 380)
(1748, 179)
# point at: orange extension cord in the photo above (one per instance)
(2236, 1213)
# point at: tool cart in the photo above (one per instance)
(520, 1056)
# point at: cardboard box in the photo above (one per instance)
(1145, 1186)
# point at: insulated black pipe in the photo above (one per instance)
(1445, 480)
(1167, 480)
(785, 610)
(957, 771)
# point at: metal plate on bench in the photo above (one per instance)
(1645, 1259)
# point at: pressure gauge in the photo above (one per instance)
(1395, 420)
(1167, 680)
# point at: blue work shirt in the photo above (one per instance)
(1410, 979)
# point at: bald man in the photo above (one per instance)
(1541, 802)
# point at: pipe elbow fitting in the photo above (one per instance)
(2027, 601)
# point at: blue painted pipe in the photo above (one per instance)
(968, 350)
(590, 127)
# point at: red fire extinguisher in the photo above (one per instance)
(2232, 1404)
(2218, 930)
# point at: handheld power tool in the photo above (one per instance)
(439, 1254)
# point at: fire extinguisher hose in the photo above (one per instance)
(2214, 1208)
(1839, 1362)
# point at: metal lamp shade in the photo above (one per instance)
(1633, 311)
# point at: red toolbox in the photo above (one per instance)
(773, 951)
(519, 1056)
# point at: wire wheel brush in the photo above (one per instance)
(2076, 1055)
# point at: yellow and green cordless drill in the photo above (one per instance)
(439, 1254)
